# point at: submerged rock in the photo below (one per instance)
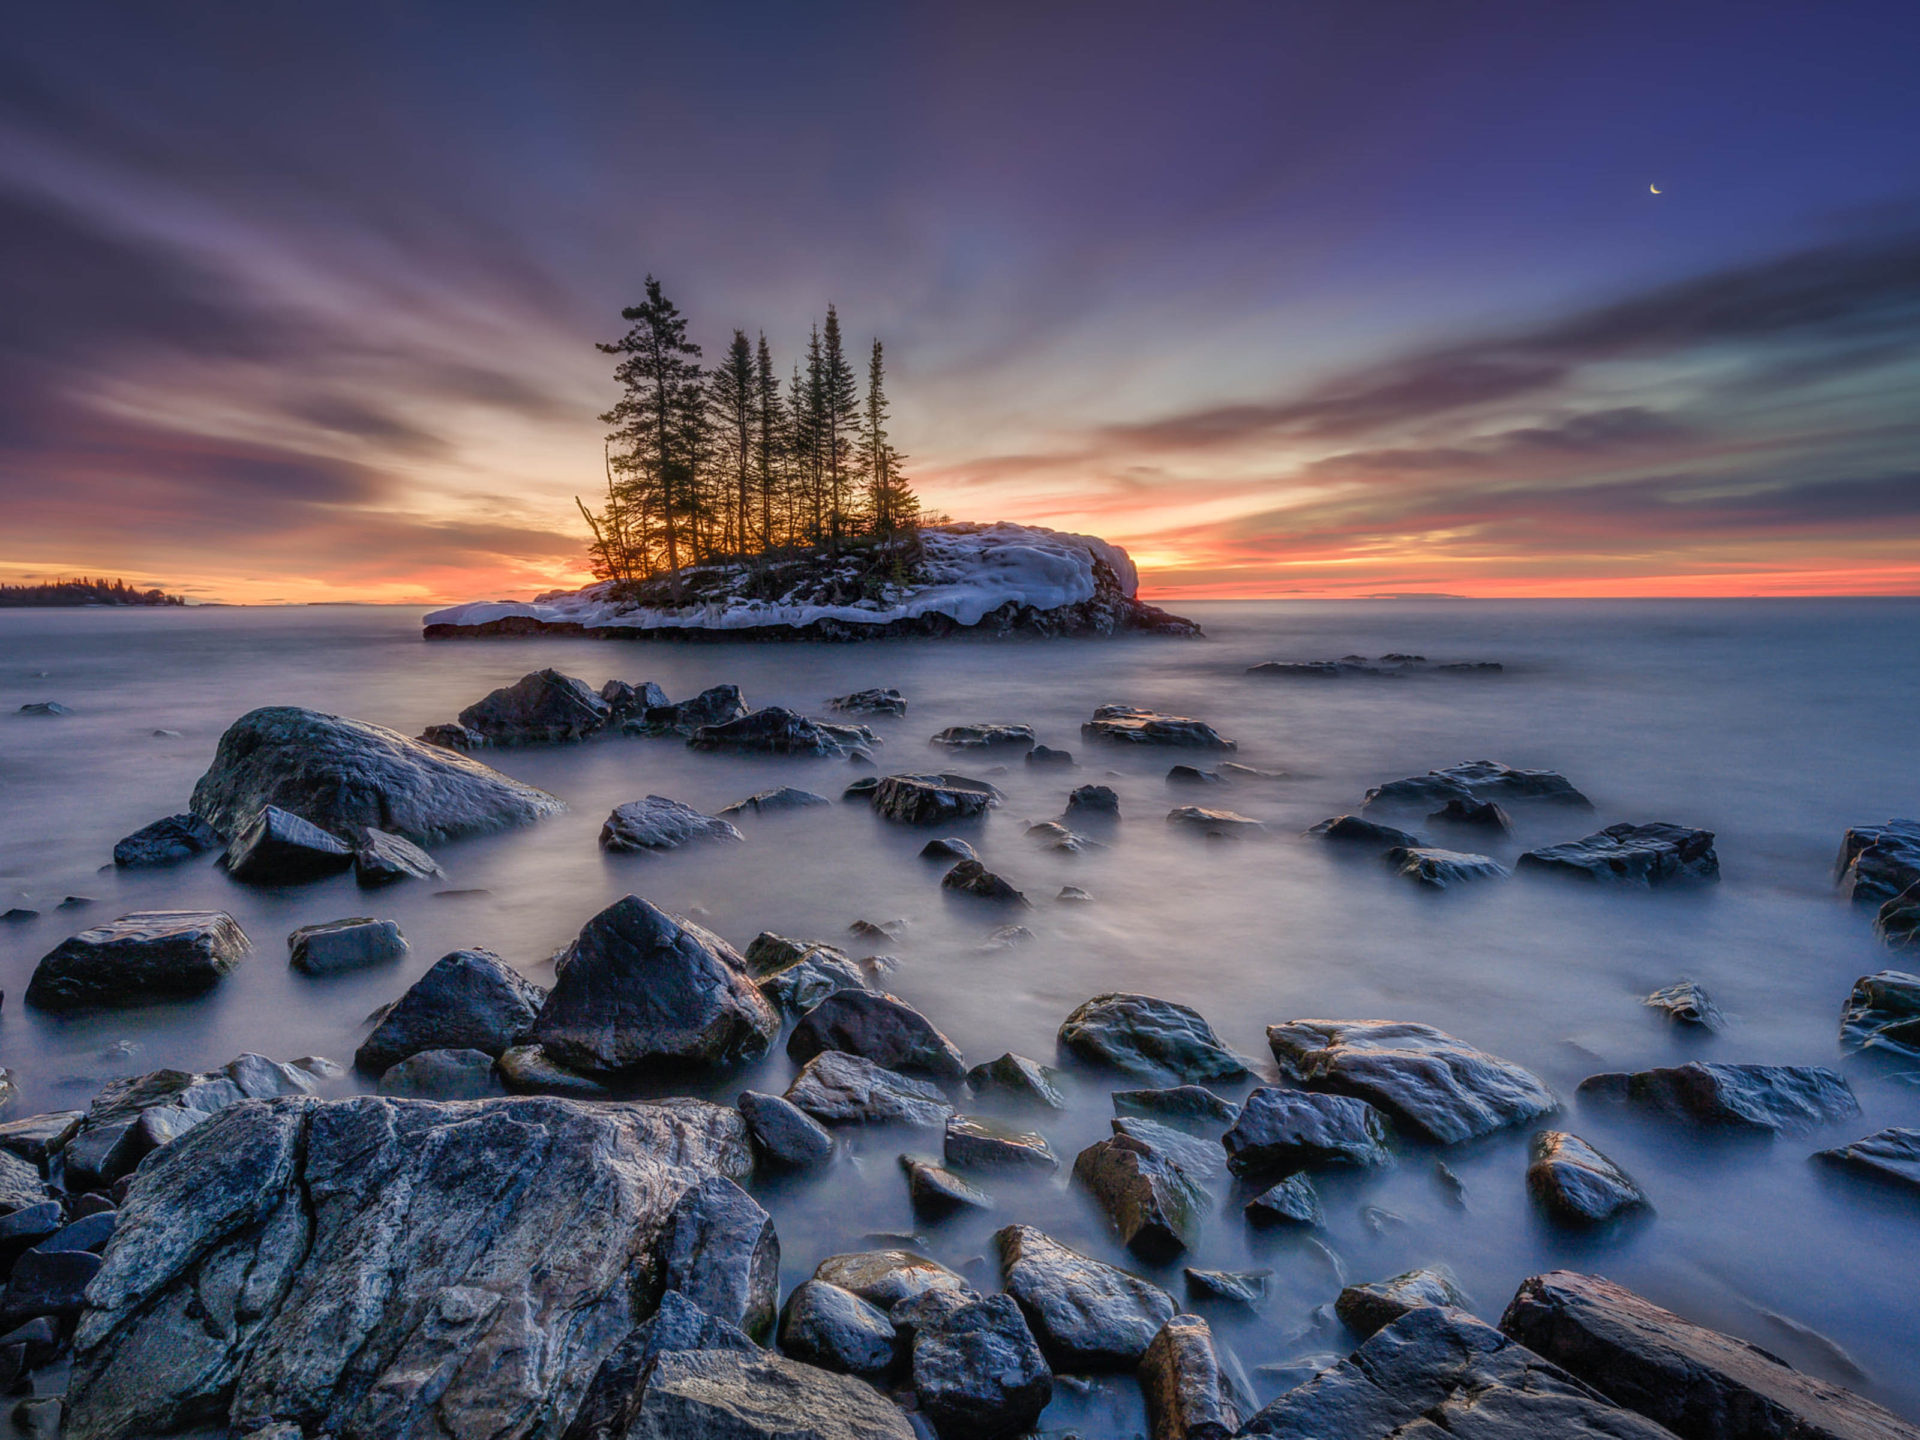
(542, 708)
(1356, 830)
(1157, 1039)
(1086, 1314)
(937, 1192)
(1194, 775)
(777, 731)
(975, 1142)
(1645, 855)
(1292, 1202)
(878, 1027)
(148, 956)
(1687, 1004)
(1202, 1159)
(1281, 1131)
(1883, 1013)
(468, 1000)
(1189, 1107)
(931, 799)
(1443, 869)
(1576, 1184)
(1020, 1079)
(1099, 801)
(276, 847)
(1215, 824)
(1898, 921)
(382, 859)
(334, 946)
(977, 1371)
(44, 707)
(970, 877)
(1047, 755)
(843, 1089)
(1188, 1392)
(1365, 1309)
(657, 823)
(1473, 815)
(784, 1135)
(823, 1325)
(795, 977)
(1757, 1099)
(1477, 780)
(871, 702)
(1052, 835)
(1891, 1154)
(1878, 862)
(1239, 1287)
(165, 842)
(785, 798)
(948, 848)
(1148, 727)
(985, 737)
(716, 705)
(1154, 1205)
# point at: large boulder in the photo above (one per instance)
(1757, 1099)
(542, 708)
(165, 842)
(1577, 1185)
(1087, 1314)
(885, 1030)
(1189, 1394)
(775, 731)
(1157, 1039)
(1643, 855)
(1892, 1155)
(1883, 1013)
(843, 1089)
(1280, 1131)
(347, 775)
(931, 799)
(618, 1392)
(1132, 725)
(1155, 1206)
(1435, 1086)
(640, 990)
(277, 847)
(1878, 862)
(1475, 780)
(977, 1371)
(719, 1250)
(657, 823)
(1699, 1383)
(148, 956)
(467, 1000)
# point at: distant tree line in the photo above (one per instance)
(714, 463)
(83, 591)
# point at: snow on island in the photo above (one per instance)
(995, 579)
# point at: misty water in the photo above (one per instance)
(1774, 724)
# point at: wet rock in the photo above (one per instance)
(1477, 780)
(759, 1396)
(871, 702)
(1443, 869)
(843, 1089)
(529, 1070)
(1892, 1154)
(1644, 855)
(879, 1027)
(1202, 1159)
(1687, 1004)
(1094, 800)
(334, 946)
(52, 1283)
(1283, 1131)
(766, 801)
(1878, 862)
(888, 1278)
(1189, 1396)
(468, 1000)
(795, 977)
(1086, 1314)
(784, 1136)
(862, 789)
(1190, 1107)
(1193, 775)
(932, 799)
(443, 1075)
(657, 823)
(148, 956)
(624, 699)
(639, 990)
(1697, 1382)
(542, 708)
(1051, 835)
(937, 1192)
(165, 842)
(346, 775)
(1473, 815)
(1047, 755)
(89, 1233)
(947, 849)
(1020, 1079)
(1292, 1202)
(975, 1142)
(1898, 921)
(823, 1325)
(1434, 1086)
(26, 1228)
(1577, 1185)
(778, 731)
(44, 707)
(383, 859)
(1365, 1309)
(985, 737)
(1147, 727)
(1883, 1013)
(277, 847)
(978, 1371)
(618, 1392)
(1238, 1287)
(1215, 824)
(39, 1137)
(719, 1250)
(1156, 1039)
(1154, 1205)
(970, 877)
(1756, 1099)
(714, 706)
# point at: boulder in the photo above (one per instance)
(1156, 1039)
(624, 699)
(1292, 1202)
(352, 944)
(1878, 862)
(787, 797)
(31, 1225)
(346, 776)
(468, 1000)
(870, 702)
(1134, 726)
(741, 1395)
(937, 1192)
(843, 1089)
(1281, 1131)
(165, 842)
(1154, 1205)
(1187, 1107)
(823, 1325)
(639, 990)
(383, 859)
(277, 847)
(720, 1251)
(542, 708)
(1443, 869)
(50, 1283)
(948, 849)
(880, 1027)
(618, 1390)
(1215, 824)
(888, 1279)
(970, 877)
(1892, 1154)
(1237, 1287)
(148, 956)
(657, 823)
(1202, 1159)
(1052, 835)
(785, 1137)
(1475, 780)
(1699, 1383)
(931, 799)
(1643, 855)
(1577, 1185)
(1687, 1003)
(975, 1142)
(1019, 1079)
(1755, 1099)
(795, 976)
(776, 731)
(89, 1233)
(1357, 830)
(1883, 1014)
(1194, 775)
(1365, 1309)
(1189, 1396)
(1473, 815)
(1086, 1314)
(985, 737)
(39, 1137)
(1047, 755)
(978, 1371)
(1097, 801)
(714, 706)
(1434, 1086)
(443, 1075)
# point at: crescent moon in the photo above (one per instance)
(1654, 188)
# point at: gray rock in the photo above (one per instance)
(1201, 1158)
(1052, 835)
(468, 1000)
(90, 1233)
(777, 731)
(975, 1142)
(1094, 801)
(985, 737)
(1188, 1107)
(1577, 1185)
(1019, 1079)
(352, 944)
(383, 859)
(1194, 775)
(719, 1250)
(1443, 869)
(1756, 1099)
(728, 1395)
(52, 1283)
(1433, 1085)
(529, 1070)
(1154, 1205)
(715, 706)
(970, 877)
(797, 975)
(888, 1278)
(948, 848)
(1697, 1382)
(619, 1387)
(1883, 1013)
(1086, 1314)
(931, 799)
(1292, 1202)
(823, 1325)
(277, 847)
(1047, 755)
(1892, 1154)
(1155, 1039)
(1358, 831)
(1475, 780)
(1879, 862)
(625, 699)
(1147, 727)
(1643, 855)
(657, 823)
(1237, 1287)
(1365, 1309)
(443, 1075)
(542, 708)
(1280, 1132)
(44, 707)
(1687, 1004)
(346, 776)
(1073, 894)
(20, 1185)
(1189, 1396)
(1473, 815)
(25, 1228)
(979, 1372)
(39, 1137)
(640, 990)
(766, 801)
(1215, 824)
(785, 1136)
(165, 842)
(148, 956)
(870, 702)
(879, 1027)
(937, 1192)
(843, 1089)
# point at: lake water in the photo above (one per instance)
(1774, 724)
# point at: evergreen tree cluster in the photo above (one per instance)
(82, 591)
(713, 464)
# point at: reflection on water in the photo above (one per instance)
(1775, 724)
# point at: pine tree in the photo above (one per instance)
(659, 374)
(810, 438)
(769, 436)
(839, 408)
(735, 382)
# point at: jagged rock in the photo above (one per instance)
(1156, 1039)
(277, 847)
(823, 1325)
(165, 842)
(624, 699)
(1215, 824)
(1047, 755)
(1201, 1159)
(879, 1027)
(1576, 1184)
(778, 731)
(881, 930)
(352, 944)
(1188, 1393)
(1365, 1309)
(1435, 1086)
(382, 859)
(970, 877)
(639, 990)
(1052, 835)
(151, 955)
(38, 1137)
(1476, 780)
(888, 1279)
(931, 799)
(1645, 855)
(1019, 1078)
(719, 1250)
(618, 1392)
(871, 702)
(1898, 921)
(1281, 1131)
(1443, 869)
(985, 737)
(714, 706)
(542, 708)
(1086, 1314)
(978, 1371)
(468, 1000)
(1687, 1004)
(975, 1142)
(1292, 1202)
(657, 823)
(843, 1089)
(1154, 1205)
(1147, 727)
(1878, 862)
(948, 848)
(784, 1135)
(1881, 1013)
(1098, 801)
(1697, 1382)
(786, 797)
(1473, 815)
(1239, 1287)
(346, 775)
(795, 977)
(937, 1192)
(1891, 1154)
(529, 1070)
(1753, 1098)
(1190, 1107)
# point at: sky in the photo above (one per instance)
(299, 303)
